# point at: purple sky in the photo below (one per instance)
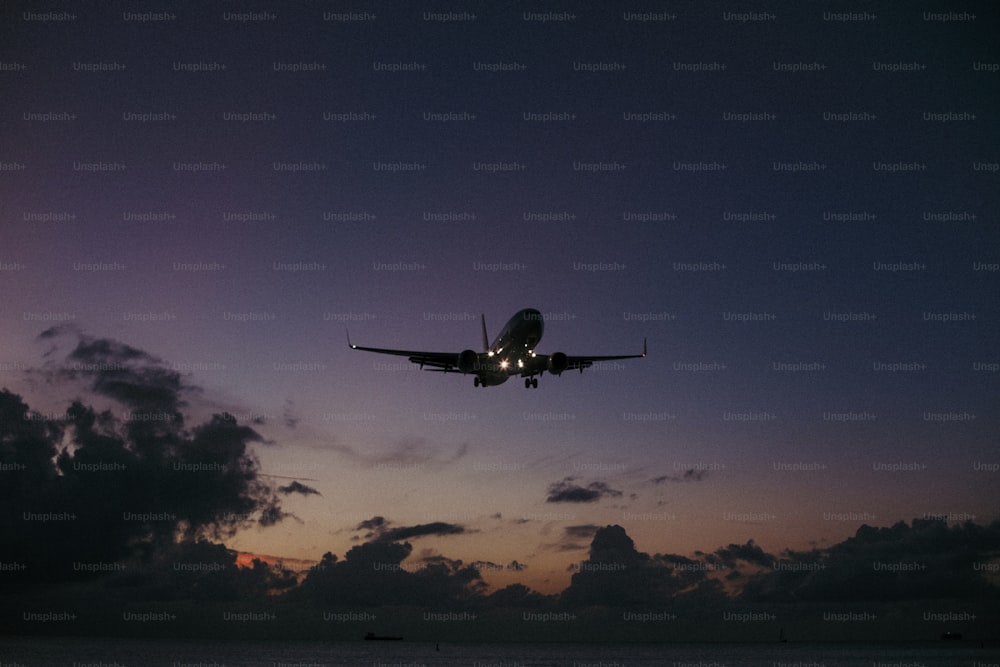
(862, 248)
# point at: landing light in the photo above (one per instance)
(504, 364)
(520, 363)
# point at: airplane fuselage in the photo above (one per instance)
(513, 350)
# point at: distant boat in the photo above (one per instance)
(951, 635)
(371, 636)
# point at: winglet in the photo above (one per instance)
(348, 338)
(486, 340)
(644, 347)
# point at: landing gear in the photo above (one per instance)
(475, 381)
(531, 383)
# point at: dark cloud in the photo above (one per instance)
(926, 559)
(422, 530)
(617, 574)
(142, 480)
(486, 565)
(584, 531)
(573, 537)
(374, 574)
(373, 523)
(612, 544)
(380, 530)
(689, 475)
(126, 374)
(567, 491)
(748, 553)
(201, 571)
(518, 596)
(58, 330)
(429, 559)
(298, 487)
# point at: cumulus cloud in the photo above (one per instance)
(142, 479)
(374, 574)
(617, 574)
(923, 560)
(729, 556)
(132, 377)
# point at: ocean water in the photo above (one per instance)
(75, 652)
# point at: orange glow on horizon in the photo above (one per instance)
(245, 559)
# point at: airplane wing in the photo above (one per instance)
(579, 363)
(444, 361)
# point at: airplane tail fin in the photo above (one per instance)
(486, 340)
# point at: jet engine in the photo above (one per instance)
(468, 360)
(557, 363)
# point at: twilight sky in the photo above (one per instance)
(796, 206)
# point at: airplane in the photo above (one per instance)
(511, 354)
